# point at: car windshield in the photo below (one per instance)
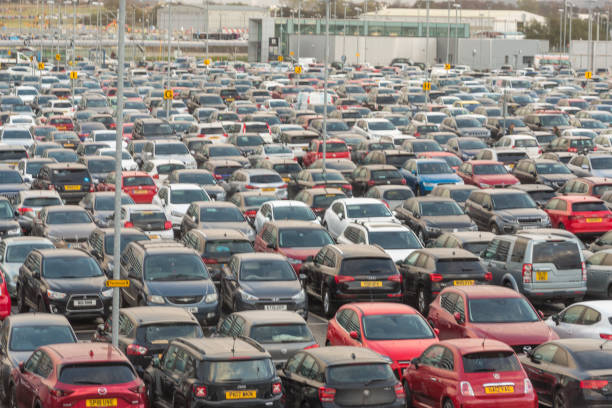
(337, 127)
(398, 195)
(29, 338)
(158, 129)
(281, 333)
(164, 149)
(553, 120)
(396, 327)
(235, 371)
(359, 373)
(18, 253)
(197, 178)
(304, 238)
(68, 217)
(512, 201)
(17, 133)
(6, 211)
(104, 136)
(593, 359)
(221, 214)
(138, 181)
(501, 310)
(589, 207)
(73, 267)
(601, 163)
(552, 168)
(96, 374)
(109, 241)
(101, 166)
(525, 143)
(107, 203)
(487, 169)
(188, 196)
(394, 239)
(434, 168)
(254, 140)
(471, 144)
(460, 195)
(468, 123)
(174, 267)
(381, 125)
(266, 270)
(221, 151)
(367, 210)
(440, 208)
(226, 248)
(10, 177)
(160, 333)
(598, 190)
(15, 155)
(490, 361)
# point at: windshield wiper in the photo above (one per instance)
(87, 382)
(373, 380)
(484, 370)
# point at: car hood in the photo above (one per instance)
(522, 212)
(180, 288)
(12, 269)
(71, 231)
(448, 221)
(400, 350)
(299, 253)
(602, 173)
(239, 226)
(557, 177)
(267, 289)
(440, 178)
(6, 225)
(13, 187)
(515, 334)
(77, 285)
(399, 254)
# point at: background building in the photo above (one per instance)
(222, 18)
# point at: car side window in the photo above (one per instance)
(432, 356)
(590, 316)
(489, 253)
(225, 325)
(561, 358)
(45, 366)
(329, 260)
(170, 358)
(460, 307)
(501, 254)
(546, 352)
(448, 300)
(447, 360)
(294, 362)
(307, 366)
(318, 259)
(236, 329)
(572, 314)
(32, 364)
(518, 252)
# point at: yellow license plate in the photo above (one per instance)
(499, 389)
(371, 284)
(72, 188)
(511, 165)
(241, 394)
(593, 220)
(140, 191)
(154, 236)
(463, 282)
(541, 275)
(286, 179)
(102, 402)
(268, 189)
(68, 144)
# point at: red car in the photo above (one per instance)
(336, 149)
(491, 312)
(392, 329)
(584, 215)
(5, 298)
(127, 131)
(137, 184)
(468, 373)
(77, 375)
(486, 174)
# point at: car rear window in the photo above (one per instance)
(226, 169)
(265, 178)
(96, 374)
(137, 181)
(458, 265)
(385, 174)
(359, 373)
(13, 154)
(109, 241)
(325, 200)
(29, 338)
(490, 362)
(368, 266)
(66, 175)
(226, 248)
(334, 147)
(602, 188)
(594, 359)
(239, 371)
(161, 333)
(398, 195)
(563, 254)
(582, 207)
(41, 201)
(281, 333)
(511, 157)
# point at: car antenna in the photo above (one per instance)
(483, 341)
(234, 347)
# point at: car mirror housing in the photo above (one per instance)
(458, 317)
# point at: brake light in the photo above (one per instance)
(593, 384)
(371, 182)
(488, 276)
(386, 204)
(342, 279)
(466, 388)
(56, 392)
(156, 176)
(312, 346)
(403, 181)
(217, 176)
(594, 148)
(209, 261)
(167, 225)
(399, 391)
(283, 186)
(277, 388)
(572, 150)
(136, 350)
(347, 187)
(527, 270)
(23, 210)
(528, 386)
(327, 394)
(128, 224)
(436, 277)
(250, 213)
(584, 271)
(395, 278)
(199, 391)
(605, 336)
(250, 187)
(91, 188)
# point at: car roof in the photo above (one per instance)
(86, 352)
(360, 251)
(158, 314)
(446, 253)
(487, 292)
(53, 208)
(270, 317)
(38, 319)
(217, 233)
(474, 345)
(377, 308)
(579, 198)
(343, 355)
(59, 166)
(220, 348)
(585, 344)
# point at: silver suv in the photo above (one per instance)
(542, 267)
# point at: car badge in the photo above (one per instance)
(102, 391)
(366, 393)
(283, 351)
(496, 376)
(241, 386)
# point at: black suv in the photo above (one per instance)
(214, 372)
(72, 181)
(63, 281)
(166, 273)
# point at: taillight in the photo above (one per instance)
(436, 277)
(56, 392)
(347, 187)
(594, 148)
(250, 187)
(91, 188)
(277, 388)
(399, 391)
(403, 181)
(167, 225)
(312, 346)
(371, 182)
(593, 384)
(488, 276)
(128, 224)
(527, 270)
(250, 213)
(572, 150)
(136, 350)
(605, 336)
(23, 210)
(327, 394)
(199, 391)
(395, 278)
(342, 279)
(156, 176)
(218, 176)
(527, 386)
(466, 388)
(209, 261)
(386, 204)
(584, 271)
(283, 186)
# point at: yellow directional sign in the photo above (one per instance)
(280, 58)
(290, 52)
(588, 75)
(357, 54)
(9, 53)
(41, 66)
(168, 94)
(58, 57)
(117, 283)
(447, 66)
(427, 86)
(207, 62)
(74, 75)
(298, 69)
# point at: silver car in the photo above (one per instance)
(257, 179)
(599, 274)
(13, 252)
(583, 320)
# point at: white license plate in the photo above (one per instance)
(275, 307)
(85, 302)
(191, 309)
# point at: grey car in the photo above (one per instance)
(281, 333)
(101, 205)
(504, 211)
(599, 275)
(216, 214)
(13, 252)
(257, 179)
(68, 225)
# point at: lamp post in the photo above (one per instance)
(365, 34)
(427, 41)
(569, 38)
(325, 74)
(456, 54)
(299, 30)
(344, 34)
(169, 101)
(448, 33)
(358, 10)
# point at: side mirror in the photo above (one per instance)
(585, 167)
(555, 318)
(457, 317)
(22, 367)
(17, 214)
(354, 335)
(541, 314)
(437, 331)
(536, 358)
(415, 362)
(303, 276)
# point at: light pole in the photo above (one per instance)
(299, 30)
(365, 34)
(169, 101)
(590, 51)
(325, 73)
(569, 38)
(207, 29)
(427, 41)
(560, 30)
(456, 53)
(358, 10)
(448, 33)
(344, 35)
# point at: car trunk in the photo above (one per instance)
(556, 265)
(148, 220)
(460, 272)
(369, 276)
(488, 388)
(239, 380)
(364, 385)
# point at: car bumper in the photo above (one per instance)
(59, 307)
(524, 401)
(512, 228)
(274, 402)
(165, 234)
(342, 298)
(398, 403)
(588, 228)
(554, 294)
(142, 198)
(300, 308)
(72, 197)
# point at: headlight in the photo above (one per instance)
(14, 231)
(546, 220)
(300, 296)
(294, 261)
(432, 229)
(211, 297)
(107, 293)
(156, 299)
(509, 220)
(247, 296)
(250, 234)
(51, 294)
(177, 214)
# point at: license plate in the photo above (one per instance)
(72, 188)
(140, 191)
(371, 284)
(246, 394)
(155, 236)
(275, 307)
(463, 282)
(511, 165)
(85, 302)
(102, 402)
(499, 389)
(68, 144)
(286, 179)
(541, 275)
(268, 189)
(593, 220)
(191, 309)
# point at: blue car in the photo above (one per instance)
(422, 175)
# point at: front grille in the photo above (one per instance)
(74, 299)
(184, 300)
(529, 220)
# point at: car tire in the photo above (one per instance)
(423, 301)
(560, 399)
(495, 229)
(327, 303)
(408, 403)
(448, 404)
(42, 308)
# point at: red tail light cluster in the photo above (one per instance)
(58, 393)
(584, 271)
(167, 225)
(395, 278)
(128, 224)
(23, 210)
(488, 276)
(593, 384)
(399, 391)
(250, 213)
(136, 350)
(342, 279)
(436, 277)
(209, 261)
(327, 394)
(277, 388)
(527, 270)
(199, 391)
(217, 176)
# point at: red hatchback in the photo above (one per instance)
(335, 149)
(468, 373)
(77, 375)
(581, 215)
(491, 312)
(486, 174)
(391, 329)
(5, 298)
(137, 184)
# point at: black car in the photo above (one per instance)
(340, 376)
(63, 281)
(144, 332)
(9, 226)
(542, 171)
(571, 372)
(165, 273)
(23, 333)
(72, 181)
(214, 372)
(426, 272)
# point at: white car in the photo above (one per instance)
(589, 319)
(150, 218)
(183, 117)
(108, 137)
(24, 121)
(16, 135)
(26, 93)
(283, 210)
(176, 198)
(160, 169)
(527, 143)
(127, 162)
(375, 128)
(168, 150)
(344, 211)
(61, 107)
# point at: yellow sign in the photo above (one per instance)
(357, 55)
(168, 94)
(58, 57)
(41, 66)
(588, 75)
(290, 52)
(207, 61)
(298, 69)
(280, 58)
(9, 53)
(447, 66)
(70, 63)
(427, 86)
(31, 58)
(74, 75)
(117, 283)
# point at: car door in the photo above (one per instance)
(540, 371)
(165, 373)
(442, 317)
(26, 384)
(334, 219)
(229, 281)
(495, 257)
(291, 390)
(409, 270)
(422, 387)
(599, 274)
(569, 320)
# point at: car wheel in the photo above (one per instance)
(408, 403)
(12, 398)
(448, 404)
(328, 307)
(495, 229)
(423, 301)
(42, 308)
(560, 399)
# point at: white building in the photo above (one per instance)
(222, 18)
